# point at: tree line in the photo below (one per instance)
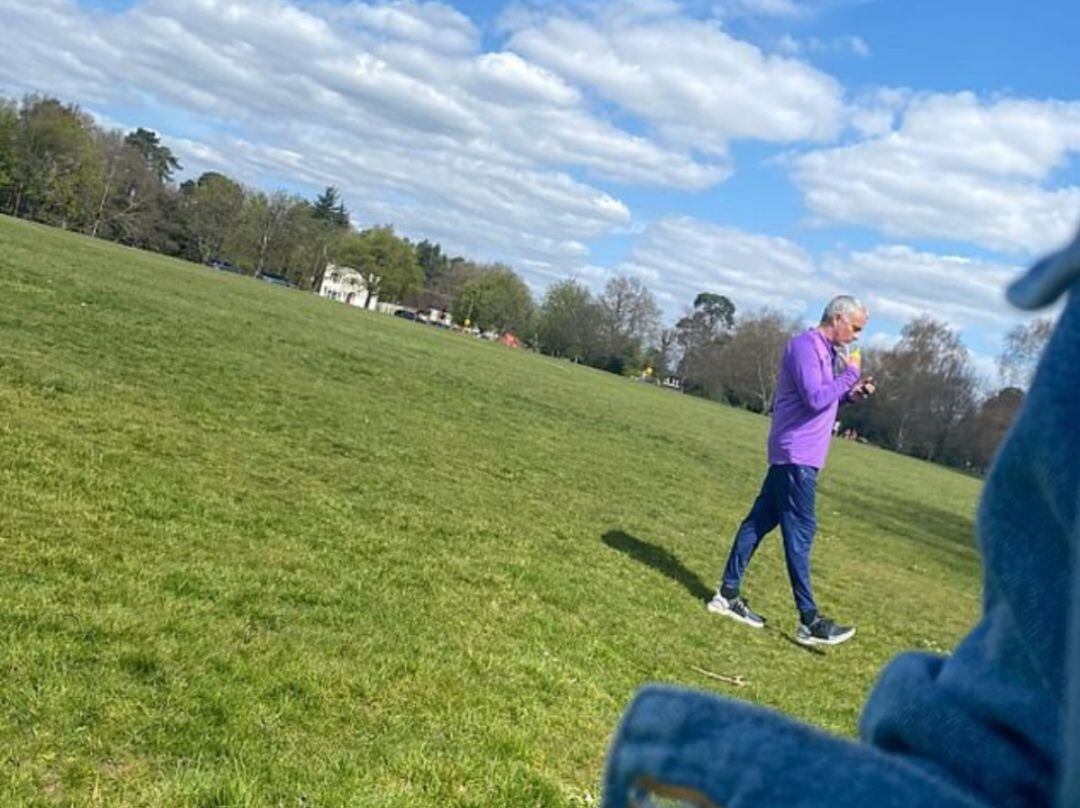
(57, 166)
(931, 401)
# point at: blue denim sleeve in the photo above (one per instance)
(995, 723)
(680, 747)
(1069, 792)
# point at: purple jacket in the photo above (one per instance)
(807, 397)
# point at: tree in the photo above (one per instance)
(926, 388)
(387, 263)
(567, 321)
(664, 356)
(329, 208)
(716, 310)
(699, 335)
(9, 139)
(57, 165)
(268, 232)
(497, 299)
(442, 289)
(211, 208)
(994, 418)
(432, 261)
(318, 241)
(743, 368)
(131, 199)
(1023, 346)
(628, 321)
(159, 157)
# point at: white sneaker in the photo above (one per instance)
(737, 609)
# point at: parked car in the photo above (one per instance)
(224, 266)
(278, 280)
(405, 314)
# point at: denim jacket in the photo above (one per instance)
(996, 723)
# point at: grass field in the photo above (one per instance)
(258, 548)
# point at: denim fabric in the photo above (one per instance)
(996, 723)
(787, 499)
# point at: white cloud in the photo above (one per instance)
(883, 340)
(434, 25)
(901, 283)
(56, 52)
(679, 257)
(986, 370)
(874, 113)
(726, 9)
(503, 210)
(394, 103)
(956, 168)
(498, 153)
(507, 78)
(696, 85)
(857, 44)
(838, 45)
(502, 155)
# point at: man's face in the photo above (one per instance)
(848, 328)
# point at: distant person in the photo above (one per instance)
(816, 373)
(996, 722)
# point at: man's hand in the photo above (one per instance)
(864, 388)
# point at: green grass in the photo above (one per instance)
(258, 548)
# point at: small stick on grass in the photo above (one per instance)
(738, 681)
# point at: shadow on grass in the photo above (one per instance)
(659, 559)
(810, 649)
(951, 534)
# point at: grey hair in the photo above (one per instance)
(842, 306)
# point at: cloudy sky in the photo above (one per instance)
(916, 153)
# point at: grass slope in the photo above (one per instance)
(258, 548)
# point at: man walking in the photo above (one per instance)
(817, 372)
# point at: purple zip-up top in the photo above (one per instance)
(807, 397)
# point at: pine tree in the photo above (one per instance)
(328, 207)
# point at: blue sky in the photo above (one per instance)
(918, 154)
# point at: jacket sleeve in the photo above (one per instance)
(815, 388)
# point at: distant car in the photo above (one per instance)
(279, 280)
(405, 314)
(223, 265)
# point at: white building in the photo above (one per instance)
(348, 286)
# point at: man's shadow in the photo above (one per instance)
(667, 563)
(660, 560)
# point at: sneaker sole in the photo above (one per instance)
(808, 641)
(737, 617)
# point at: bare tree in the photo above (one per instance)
(746, 365)
(1023, 347)
(130, 198)
(994, 418)
(926, 388)
(628, 321)
(665, 356)
(267, 231)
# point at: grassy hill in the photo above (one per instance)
(259, 548)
